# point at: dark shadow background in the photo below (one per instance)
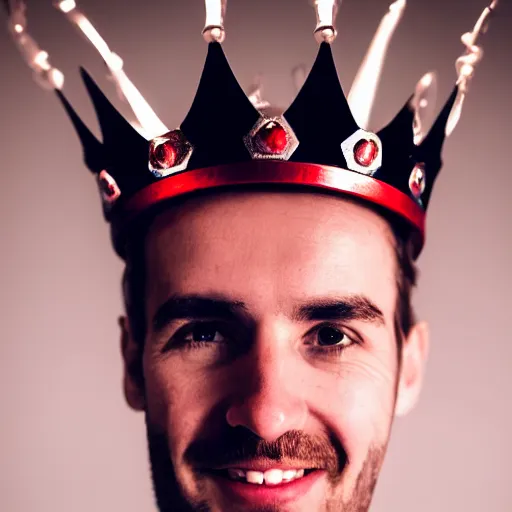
(67, 440)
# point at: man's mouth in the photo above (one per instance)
(265, 482)
(270, 477)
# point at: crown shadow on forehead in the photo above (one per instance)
(278, 199)
(351, 307)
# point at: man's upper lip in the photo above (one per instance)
(265, 464)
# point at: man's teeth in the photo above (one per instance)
(270, 477)
(255, 477)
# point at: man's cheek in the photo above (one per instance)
(166, 393)
(359, 411)
(178, 403)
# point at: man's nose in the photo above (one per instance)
(268, 395)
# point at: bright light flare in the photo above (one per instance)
(65, 5)
(363, 91)
(423, 103)
(326, 11)
(51, 79)
(56, 78)
(148, 122)
(92, 35)
(37, 59)
(41, 60)
(17, 22)
(214, 25)
(466, 63)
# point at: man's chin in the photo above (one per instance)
(184, 489)
(311, 493)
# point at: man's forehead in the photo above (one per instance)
(265, 248)
(319, 217)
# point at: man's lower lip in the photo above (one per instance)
(267, 494)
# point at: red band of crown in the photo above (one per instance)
(268, 172)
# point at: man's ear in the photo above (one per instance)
(133, 380)
(414, 357)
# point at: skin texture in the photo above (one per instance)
(261, 385)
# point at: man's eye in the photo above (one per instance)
(197, 334)
(209, 341)
(329, 336)
(203, 333)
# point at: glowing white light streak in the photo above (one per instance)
(362, 93)
(422, 104)
(214, 25)
(466, 64)
(36, 58)
(148, 122)
(41, 60)
(66, 5)
(326, 11)
(17, 19)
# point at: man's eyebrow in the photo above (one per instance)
(197, 306)
(352, 307)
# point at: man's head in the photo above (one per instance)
(273, 333)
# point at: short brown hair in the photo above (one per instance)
(406, 279)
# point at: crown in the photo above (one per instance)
(320, 141)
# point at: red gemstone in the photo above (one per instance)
(108, 186)
(164, 155)
(272, 138)
(417, 181)
(365, 152)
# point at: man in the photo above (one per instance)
(269, 336)
(272, 350)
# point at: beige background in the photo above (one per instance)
(67, 440)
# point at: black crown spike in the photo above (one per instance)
(114, 127)
(125, 150)
(320, 115)
(220, 116)
(400, 127)
(92, 147)
(398, 142)
(429, 151)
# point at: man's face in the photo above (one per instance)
(270, 360)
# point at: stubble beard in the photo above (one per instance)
(170, 496)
